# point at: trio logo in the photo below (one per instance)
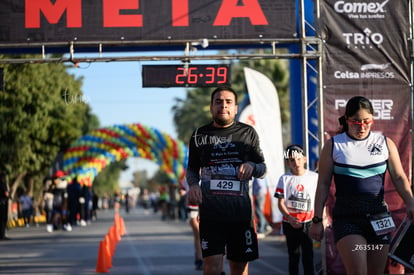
(382, 107)
(365, 40)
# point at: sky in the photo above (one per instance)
(115, 93)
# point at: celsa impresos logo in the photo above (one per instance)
(362, 10)
(382, 107)
(366, 39)
(364, 75)
(368, 71)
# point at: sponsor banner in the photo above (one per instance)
(366, 41)
(366, 53)
(43, 21)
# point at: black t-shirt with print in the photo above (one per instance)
(217, 154)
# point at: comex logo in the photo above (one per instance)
(382, 107)
(361, 10)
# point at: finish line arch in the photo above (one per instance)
(89, 154)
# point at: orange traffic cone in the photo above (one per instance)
(109, 244)
(115, 234)
(112, 241)
(108, 251)
(101, 266)
(122, 227)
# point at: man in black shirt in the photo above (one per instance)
(223, 156)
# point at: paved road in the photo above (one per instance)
(149, 247)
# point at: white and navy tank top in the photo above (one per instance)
(359, 165)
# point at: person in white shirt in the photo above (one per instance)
(296, 193)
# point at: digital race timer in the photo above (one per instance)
(179, 76)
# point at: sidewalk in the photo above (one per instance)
(149, 247)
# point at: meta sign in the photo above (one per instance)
(113, 21)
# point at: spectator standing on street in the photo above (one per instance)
(88, 203)
(60, 197)
(223, 157)
(193, 220)
(182, 204)
(117, 200)
(74, 189)
(95, 200)
(48, 199)
(26, 208)
(127, 202)
(164, 201)
(4, 205)
(296, 193)
(259, 191)
(82, 206)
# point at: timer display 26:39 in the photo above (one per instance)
(180, 76)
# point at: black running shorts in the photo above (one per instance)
(236, 239)
(358, 226)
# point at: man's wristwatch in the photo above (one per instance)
(316, 219)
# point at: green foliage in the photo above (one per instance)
(39, 116)
(277, 71)
(194, 110)
(106, 182)
(160, 177)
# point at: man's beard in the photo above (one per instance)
(223, 122)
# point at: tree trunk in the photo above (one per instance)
(13, 189)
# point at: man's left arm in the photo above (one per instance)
(257, 159)
(253, 158)
(259, 169)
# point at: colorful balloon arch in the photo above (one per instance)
(88, 155)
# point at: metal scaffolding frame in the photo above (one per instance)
(310, 48)
(188, 53)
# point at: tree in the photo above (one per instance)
(191, 112)
(42, 112)
(106, 182)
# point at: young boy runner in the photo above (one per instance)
(296, 192)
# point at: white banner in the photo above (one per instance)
(264, 114)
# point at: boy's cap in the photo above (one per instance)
(294, 150)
